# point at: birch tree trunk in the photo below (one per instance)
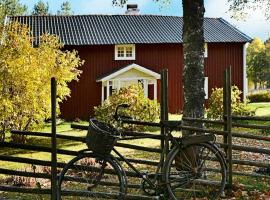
(193, 73)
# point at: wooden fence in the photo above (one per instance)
(227, 134)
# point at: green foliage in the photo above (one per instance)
(259, 97)
(65, 9)
(241, 8)
(215, 110)
(25, 73)
(41, 8)
(11, 8)
(258, 62)
(141, 108)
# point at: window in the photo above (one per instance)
(129, 52)
(205, 50)
(120, 52)
(125, 52)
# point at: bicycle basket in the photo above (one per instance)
(101, 137)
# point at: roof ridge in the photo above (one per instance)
(115, 29)
(81, 15)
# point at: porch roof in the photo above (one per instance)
(127, 68)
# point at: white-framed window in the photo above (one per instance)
(206, 87)
(111, 86)
(205, 50)
(125, 52)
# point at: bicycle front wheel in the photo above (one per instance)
(195, 172)
(92, 176)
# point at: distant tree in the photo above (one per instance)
(257, 62)
(41, 8)
(267, 52)
(267, 48)
(25, 78)
(65, 9)
(241, 8)
(11, 8)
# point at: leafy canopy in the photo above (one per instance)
(65, 9)
(241, 8)
(10, 8)
(25, 73)
(258, 61)
(41, 8)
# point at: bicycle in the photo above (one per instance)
(194, 167)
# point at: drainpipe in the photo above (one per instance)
(245, 81)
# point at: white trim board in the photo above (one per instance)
(127, 68)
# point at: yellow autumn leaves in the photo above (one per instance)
(25, 73)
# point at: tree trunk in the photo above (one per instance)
(193, 74)
(255, 85)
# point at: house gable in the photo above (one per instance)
(132, 70)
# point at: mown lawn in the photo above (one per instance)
(261, 109)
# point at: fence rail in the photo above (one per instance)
(227, 133)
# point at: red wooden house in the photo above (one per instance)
(122, 49)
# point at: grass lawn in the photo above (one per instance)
(261, 109)
(62, 128)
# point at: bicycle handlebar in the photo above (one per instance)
(173, 125)
(118, 117)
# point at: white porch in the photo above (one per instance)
(130, 74)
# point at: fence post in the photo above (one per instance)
(53, 142)
(228, 125)
(164, 105)
(225, 109)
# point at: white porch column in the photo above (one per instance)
(118, 85)
(108, 89)
(145, 87)
(102, 92)
(155, 89)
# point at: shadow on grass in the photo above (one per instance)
(39, 141)
(11, 151)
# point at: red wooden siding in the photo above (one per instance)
(100, 60)
(221, 56)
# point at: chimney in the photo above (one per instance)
(132, 9)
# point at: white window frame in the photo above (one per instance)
(205, 50)
(206, 87)
(125, 46)
(116, 84)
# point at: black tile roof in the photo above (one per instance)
(125, 29)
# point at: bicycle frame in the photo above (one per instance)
(151, 183)
(181, 142)
(168, 137)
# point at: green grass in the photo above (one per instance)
(63, 128)
(261, 109)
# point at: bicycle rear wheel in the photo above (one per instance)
(195, 172)
(92, 176)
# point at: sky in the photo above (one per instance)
(254, 25)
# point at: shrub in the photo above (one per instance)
(259, 97)
(25, 73)
(215, 108)
(141, 108)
